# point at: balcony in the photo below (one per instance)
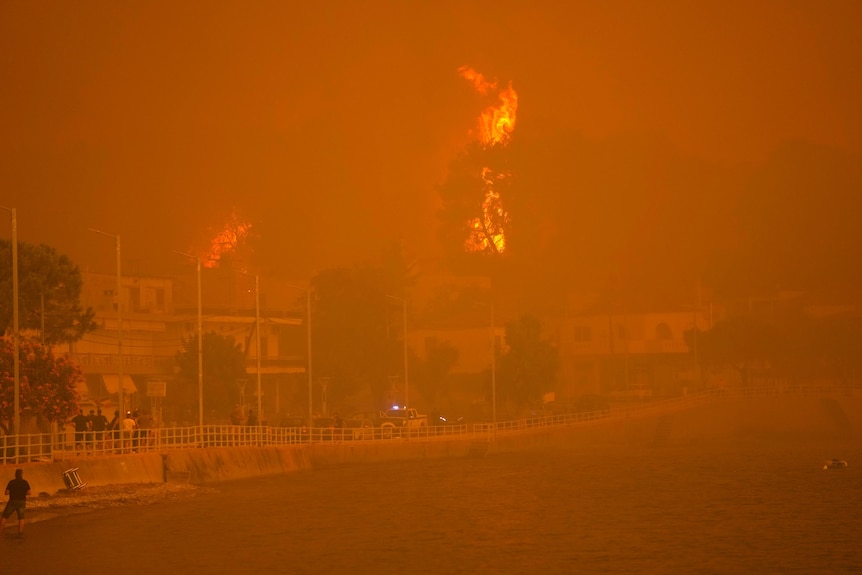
(132, 364)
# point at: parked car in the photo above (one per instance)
(328, 429)
(296, 429)
(358, 429)
(372, 416)
(448, 424)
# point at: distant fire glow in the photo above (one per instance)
(227, 240)
(496, 124)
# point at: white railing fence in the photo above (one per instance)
(43, 447)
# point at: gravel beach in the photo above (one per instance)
(43, 506)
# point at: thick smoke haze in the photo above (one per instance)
(656, 128)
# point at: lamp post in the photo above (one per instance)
(493, 370)
(404, 337)
(197, 261)
(119, 322)
(308, 348)
(257, 340)
(16, 367)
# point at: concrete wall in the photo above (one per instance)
(200, 466)
(48, 477)
(833, 422)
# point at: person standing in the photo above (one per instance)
(100, 425)
(18, 490)
(128, 428)
(114, 429)
(146, 426)
(82, 426)
(90, 440)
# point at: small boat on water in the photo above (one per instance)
(835, 464)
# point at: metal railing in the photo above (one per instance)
(43, 447)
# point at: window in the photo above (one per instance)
(583, 333)
(662, 331)
(135, 299)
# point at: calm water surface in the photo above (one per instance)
(724, 509)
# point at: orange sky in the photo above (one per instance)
(331, 125)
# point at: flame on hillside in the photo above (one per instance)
(227, 240)
(497, 122)
(495, 126)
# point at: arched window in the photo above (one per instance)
(662, 331)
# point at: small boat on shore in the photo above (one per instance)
(835, 464)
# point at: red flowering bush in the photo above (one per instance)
(47, 382)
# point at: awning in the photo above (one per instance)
(112, 387)
(83, 390)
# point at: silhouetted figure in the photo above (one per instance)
(82, 426)
(18, 490)
(99, 423)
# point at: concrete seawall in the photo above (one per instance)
(102, 470)
(833, 422)
(211, 465)
(201, 466)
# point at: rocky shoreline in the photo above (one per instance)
(69, 501)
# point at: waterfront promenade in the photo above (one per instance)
(231, 452)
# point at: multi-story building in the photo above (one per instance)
(632, 352)
(158, 314)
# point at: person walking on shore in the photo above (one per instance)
(18, 490)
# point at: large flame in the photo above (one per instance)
(227, 240)
(496, 124)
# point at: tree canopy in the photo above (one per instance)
(49, 291)
(789, 344)
(431, 376)
(529, 367)
(224, 366)
(48, 383)
(353, 329)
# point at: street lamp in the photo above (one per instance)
(257, 339)
(119, 322)
(16, 369)
(404, 337)
(493, 370)
(200, 345)
(308, 347)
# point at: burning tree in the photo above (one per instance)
(229, 243)
(474, 218)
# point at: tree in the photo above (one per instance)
(351, 331)
(468, 225)
(432, 374)
(529, 367)
(47, 383)
(738, 342)
(49, 291)
(224, 366)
